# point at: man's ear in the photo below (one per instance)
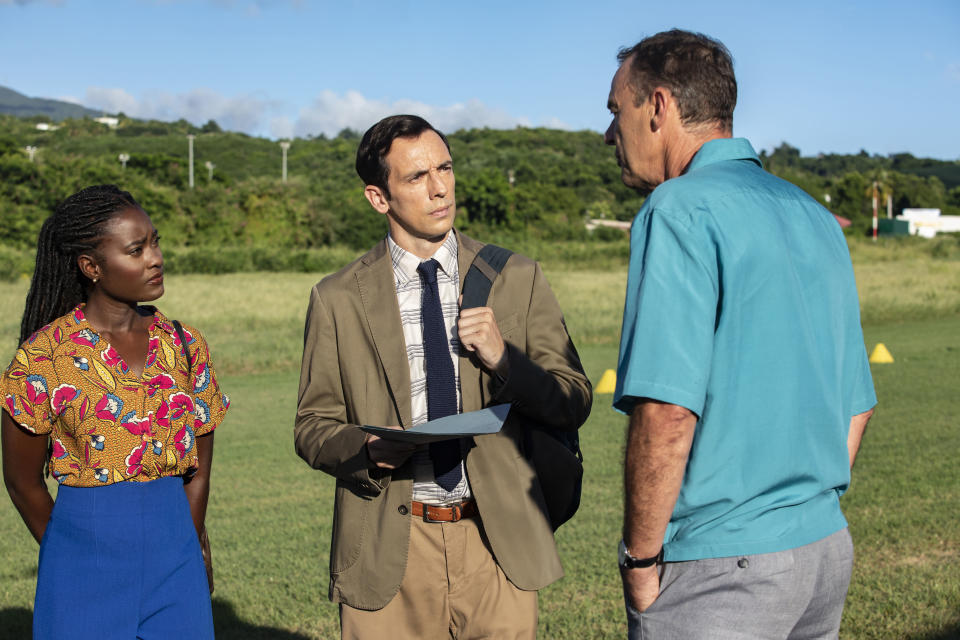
(660, 99)
(376, 198)
(89, 266)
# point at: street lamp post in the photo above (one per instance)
(123, 159)
(284, 145)
(31, 151)
(190, 138)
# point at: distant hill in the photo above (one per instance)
(17, 104)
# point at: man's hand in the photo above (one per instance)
(641, 586)
(479, 333)
(388, 454)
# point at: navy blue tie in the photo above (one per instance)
(441, 380)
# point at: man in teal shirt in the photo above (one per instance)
(742, 367)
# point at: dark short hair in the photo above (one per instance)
(697, 70)
(376, 142)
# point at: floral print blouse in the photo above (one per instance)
(105, 424)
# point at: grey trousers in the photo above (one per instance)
(794, 594)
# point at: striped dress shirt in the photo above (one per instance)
(409, 291)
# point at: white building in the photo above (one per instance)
(109, 121)
(928, 222)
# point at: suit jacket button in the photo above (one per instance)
(402, 509)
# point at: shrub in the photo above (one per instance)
(15, 264)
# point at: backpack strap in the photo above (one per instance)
(186, 350)
(483, 271)
(566, 490)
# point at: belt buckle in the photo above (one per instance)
(457, 514)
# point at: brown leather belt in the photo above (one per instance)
(451, 513)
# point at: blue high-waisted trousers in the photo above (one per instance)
(122, 561)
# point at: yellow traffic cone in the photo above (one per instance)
(608, 382)
(881, 354)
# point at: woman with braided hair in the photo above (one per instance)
(120, 405)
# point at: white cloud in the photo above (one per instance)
(953, 71)
(238, 113)
(556, 123)
(330, 113)
(113, 101)
(281, 127)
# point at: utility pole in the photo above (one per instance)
(875, 198)
(284, 145)
(31, 150)
(190, 138)
(123, 159)
(511, 179)
(210, 167)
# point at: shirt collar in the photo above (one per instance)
(159, 320)
(405, 263)
(160, 324)
(721, 149)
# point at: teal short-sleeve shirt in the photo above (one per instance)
(741, 306)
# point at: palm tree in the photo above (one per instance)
(880, 190)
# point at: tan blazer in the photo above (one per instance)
(355, 372)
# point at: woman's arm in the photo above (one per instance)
(24, 455)
(198, 489)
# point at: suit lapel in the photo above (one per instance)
(470, 381)
(382, 313)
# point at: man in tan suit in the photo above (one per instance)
(424, 547)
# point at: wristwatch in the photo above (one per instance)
(629, 562)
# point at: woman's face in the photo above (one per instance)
(128, 265)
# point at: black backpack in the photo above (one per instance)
(554, 454)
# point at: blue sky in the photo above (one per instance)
(825, 76)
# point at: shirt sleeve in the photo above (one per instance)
(864, 394)
(670, 313)
(26, 389)
(210, 403)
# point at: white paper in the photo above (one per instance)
(461, 425)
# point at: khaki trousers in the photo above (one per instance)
(452, 588)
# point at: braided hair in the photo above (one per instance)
(75, 228)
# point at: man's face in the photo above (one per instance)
(638, 142)
(422, 204)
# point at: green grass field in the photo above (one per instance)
(270, 515)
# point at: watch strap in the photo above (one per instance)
(629, 562)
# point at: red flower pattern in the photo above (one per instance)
(156, 410)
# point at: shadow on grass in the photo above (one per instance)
(16, 624)
(952, 633)
(228, 626)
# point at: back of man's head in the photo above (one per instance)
(376, 142)
(697, 70)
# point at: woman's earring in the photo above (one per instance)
(95, 280)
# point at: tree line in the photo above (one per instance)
(525, 183)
